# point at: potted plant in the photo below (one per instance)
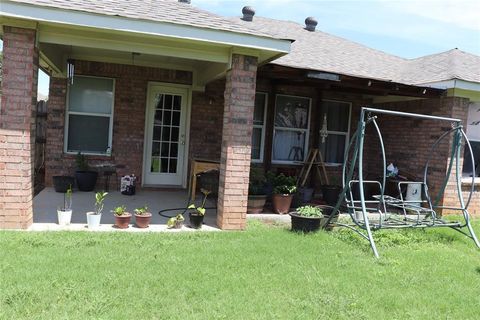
(284, 188)
(62, 183)
(256, 191)
(122, 217)
(331, 192)
(327, 212)
(306, 218)
(142, 217)
(65, 213)
(176, 222)
(94, 217)
(86, 178)
(196, 214)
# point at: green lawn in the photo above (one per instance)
(266, 272)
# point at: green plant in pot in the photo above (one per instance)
(122, 217)
(306, 218)
(256, 191)
(94, 217)
(176, 222)
(283, 190)
(142, 217)
(196, 214)
(86, 178)
(65, 213)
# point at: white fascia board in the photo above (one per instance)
(163, 29)
(453, 84)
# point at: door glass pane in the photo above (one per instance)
(288, 145)
(155, 149)
(291, 112)
(173, 150)
(166, 134)
(173, 166)
(176, 119)
(175, 132)
(159, 101)
(157, 132)
(155, 165)
(177, 102)
(165, 147)
(259, 110)
(167, 118)
(168, 102)
(92, 95)
(256, 143)
(88, 133)
(164, 165)
(158, 117)
(334, 148)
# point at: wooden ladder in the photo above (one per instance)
(314, 158)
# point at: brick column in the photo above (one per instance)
(236, 143)
(17, 127)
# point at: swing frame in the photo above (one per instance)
(424, 211)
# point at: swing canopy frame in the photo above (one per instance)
(386, 212)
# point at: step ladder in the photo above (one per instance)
(314, 159)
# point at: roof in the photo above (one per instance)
(325, 52)
(169, 11)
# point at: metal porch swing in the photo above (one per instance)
(386, 212)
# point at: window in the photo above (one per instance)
(258, 134)
(337, 114)
(473, 134)
(89, 118)
(291, 126)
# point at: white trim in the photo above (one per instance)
(164, 29)
(307, 130)
(67, 120)
(263, 128)
(339, 133)
(188, 106)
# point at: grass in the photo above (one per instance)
(266, 272)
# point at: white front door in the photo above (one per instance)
(164, 157)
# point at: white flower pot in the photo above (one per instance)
(93, 220)
(64, 217)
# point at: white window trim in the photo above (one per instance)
(339, 133)
(307, 131)
(263, 127)
(67, 119)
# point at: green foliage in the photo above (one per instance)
(99, 201)
(200, 210)
(67, 199)
(120, 210)
(82, 162)
(173, 221)
(284, 185)
(257, 181)
(309, 211)
(141, 211)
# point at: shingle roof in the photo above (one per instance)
(325, 52)
(170, 11)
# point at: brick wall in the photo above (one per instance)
(17, 127)
(129, 116)
(236, 144)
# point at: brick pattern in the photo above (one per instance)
(17, 127)
(129, 117)
(236, 144)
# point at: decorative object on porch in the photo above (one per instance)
(256, 191)
(198, 166)
(142, 217)
(86, 178)
(284, 188)
(94, 217)
(387, 212)
(65, 213)
(176, 222)
(122, 217)
(63, 183)
(127, 185)
(196, 216)
(306, 218)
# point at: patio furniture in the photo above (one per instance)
(200, 166)
(108, 170)
(387, 212)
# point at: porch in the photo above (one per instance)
(45, 206)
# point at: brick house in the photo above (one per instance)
(156, 83)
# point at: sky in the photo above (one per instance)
(406, 28)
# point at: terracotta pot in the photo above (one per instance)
(282, 203)
(143, 220)
(123, 221)
(256, 203)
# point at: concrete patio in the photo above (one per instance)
(45, 206)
